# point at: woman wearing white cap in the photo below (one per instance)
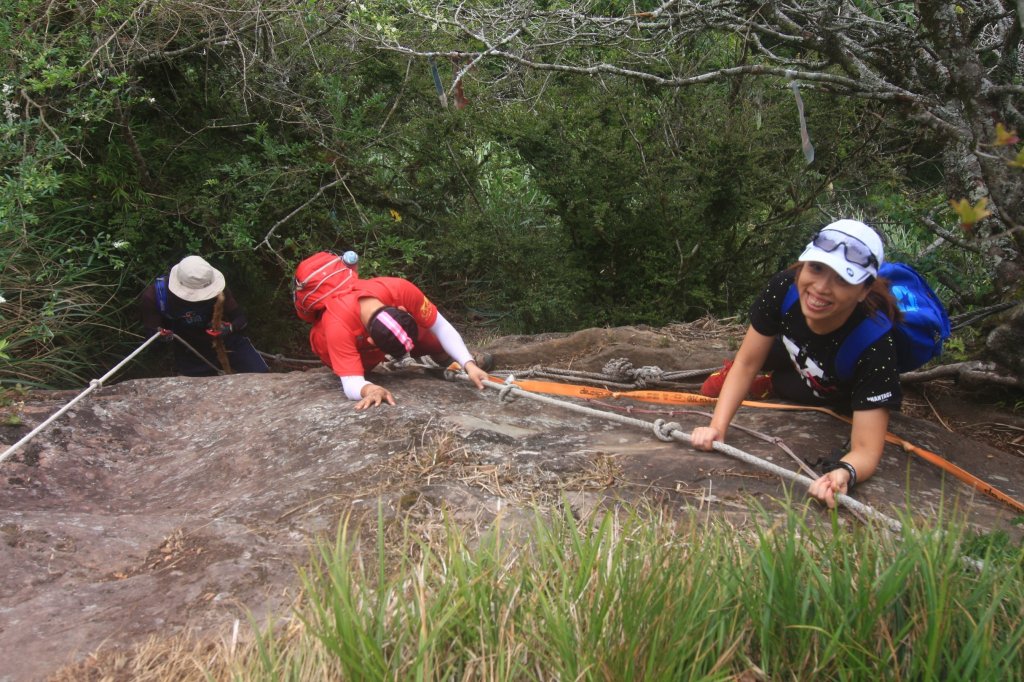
(796, 329)
(183, 303)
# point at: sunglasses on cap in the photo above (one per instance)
(854, 250)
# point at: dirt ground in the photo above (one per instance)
(163, 506)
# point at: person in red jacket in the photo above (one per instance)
(385, 316)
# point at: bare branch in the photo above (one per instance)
(295, 211)
(930, 64)
(974, 373)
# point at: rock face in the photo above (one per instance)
(162, 504)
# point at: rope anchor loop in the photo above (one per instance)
(663, 430)
(505, 394)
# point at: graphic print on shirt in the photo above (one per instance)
(191, 318)
(812, 373)
(426, 307)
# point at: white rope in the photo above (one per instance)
(616, 373)
(93, 385)
(215, 368)
(672, 431)
(279, 357)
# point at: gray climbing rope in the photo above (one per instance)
(672, 431)
(199, 355)
(622, 369)
(774, 440)
(669, 431)
(576, 377)
(618, 373)
(93, 385)
(968, 318)
(641, 376)
(278, 357)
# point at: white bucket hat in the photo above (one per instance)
(849, 247)
(193, 279)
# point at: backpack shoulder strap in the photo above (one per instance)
(870, 329)
(161, 294)
(791, 297)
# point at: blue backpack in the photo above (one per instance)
(919, 337)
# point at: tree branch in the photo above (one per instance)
(282, 221)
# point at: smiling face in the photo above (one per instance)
(826, 299)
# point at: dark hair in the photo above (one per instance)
(394, 331)
(878, 300)
(881, 300)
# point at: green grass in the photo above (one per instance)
(58, 321)
(641, 596)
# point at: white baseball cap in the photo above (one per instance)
(849, 247)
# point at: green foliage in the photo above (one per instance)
(661, 208)
(11, 398)
(55, 316)
(994, 545)
(59, 317)
(959, 277)
(955, 350)
(550, 202)
(508, 261)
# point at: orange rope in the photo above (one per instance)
(944, 464)
(680, 398)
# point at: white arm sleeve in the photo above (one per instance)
(352, 386)
(450, 340)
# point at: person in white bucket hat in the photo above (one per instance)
(790, 350)
(184, 303)
(193, 279)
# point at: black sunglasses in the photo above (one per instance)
(854, 250)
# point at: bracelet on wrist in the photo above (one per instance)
(853, 473)
(843, 464)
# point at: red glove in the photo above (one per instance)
(165, 334)
(224, 329)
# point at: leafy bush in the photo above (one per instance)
(59, 319)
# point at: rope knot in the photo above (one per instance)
(505, 394)
(619, 369)
(622, 370)
(663, 430)
(646, 373)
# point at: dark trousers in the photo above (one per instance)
(242, 357)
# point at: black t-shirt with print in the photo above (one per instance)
(875, 382)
